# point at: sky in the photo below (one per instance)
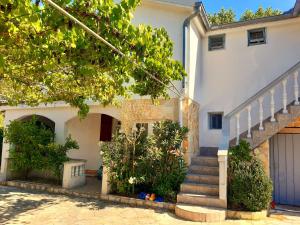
(239, 6)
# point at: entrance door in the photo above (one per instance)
(285, 168)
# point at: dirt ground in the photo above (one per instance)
(27, 207)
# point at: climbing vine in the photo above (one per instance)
(45, 57)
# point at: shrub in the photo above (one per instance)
(32, 148)
(149, 163)
(249, 188)
(124, 158)
(170, 169)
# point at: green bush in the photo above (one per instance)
(249, 188)
(147, 163)
(32, 148)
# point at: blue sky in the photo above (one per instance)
(239, 6)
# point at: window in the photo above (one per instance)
(216, 42)
(257, 37)
(77, 171)
(215, 121)
(143, 126)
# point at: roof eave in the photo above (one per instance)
(253, 22)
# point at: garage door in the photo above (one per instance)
(285, 168)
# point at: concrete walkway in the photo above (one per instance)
(26, 207)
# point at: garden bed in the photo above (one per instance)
(54, 189)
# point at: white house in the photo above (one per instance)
(242, 83)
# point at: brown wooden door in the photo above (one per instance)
(106, 128)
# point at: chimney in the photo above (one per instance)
(296, 11)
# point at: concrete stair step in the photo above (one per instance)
(200, 213)
(196, 188)
(204, 170)
(200, 200)
(207, 179)
(205, 161)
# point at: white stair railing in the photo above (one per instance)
(257, 102)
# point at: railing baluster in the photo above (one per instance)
(296, 88)
(261, 113)
(249, 121)
(272, 105)
(237, 128)
(284, 96)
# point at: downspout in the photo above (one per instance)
(186, 24)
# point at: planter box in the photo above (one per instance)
(243, 215)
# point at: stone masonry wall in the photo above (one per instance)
(145, 111)
(191, 121)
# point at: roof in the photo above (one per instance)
(179, 2)
(293, 13)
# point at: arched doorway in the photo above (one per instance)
(48, 123)
(88, 132)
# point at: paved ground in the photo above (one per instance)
(25, 207)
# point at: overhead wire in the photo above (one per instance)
(87, 29)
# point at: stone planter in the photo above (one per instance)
(243, 215)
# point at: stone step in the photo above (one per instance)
(205, 161)
(295, 110)
(196, 188)
(200, 213)
(204, 170)
(209, 151)
(200, 200)
(2, 177)
(283, 119)
(206, 179)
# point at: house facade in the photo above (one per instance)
(243, 83)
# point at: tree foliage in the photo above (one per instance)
(45, 57)
(225, 16)
(260, 13)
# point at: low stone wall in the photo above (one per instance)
(241, 215)
(112, 198)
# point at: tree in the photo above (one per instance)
(45, 57)
(260, 13)
(224, 16)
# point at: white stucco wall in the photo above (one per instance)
(230, 76)
(194, 61)
(60, 114)
(169, 16)
(87, 133)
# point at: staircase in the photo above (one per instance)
(203, 196)
(199, 197)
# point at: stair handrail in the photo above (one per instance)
(227, 118)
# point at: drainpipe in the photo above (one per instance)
(186, 24)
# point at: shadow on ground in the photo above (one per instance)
(13, 202)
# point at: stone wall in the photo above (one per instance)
(263, 153)
(145, 111)
(191, 121)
